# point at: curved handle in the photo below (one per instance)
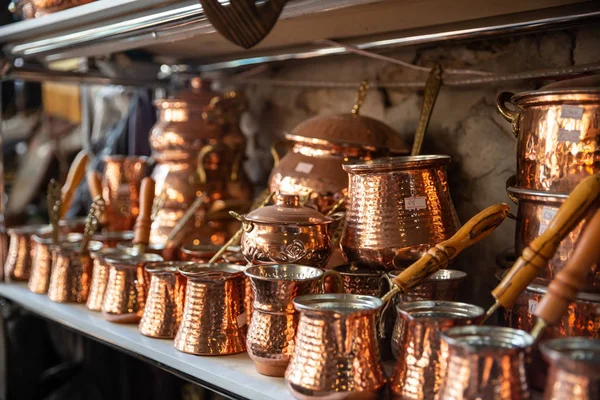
(211, 148)
(477, 228)
(94, 181)
(510, 182)
(535, 256)
(339, 281)
(275, 153)
(74, 178)
(511, 116)
(144, 219)
(568, 282)
(231, 101)
(432, 88)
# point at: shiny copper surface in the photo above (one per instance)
(485, 362)
(336, 353)
(121, 190)
(167, 253)
(558, 135)
(20, 252)
(574, 369)
(202, 253)
(397, 208)
(100, 272)
(443, 285)
(420, 359)
(214, 320)
(166, 297)
(127, 287)
(535, 211)
(112, 238)
(359, 279)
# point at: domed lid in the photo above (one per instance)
(199, 96)
(349, 129)
(287, 210)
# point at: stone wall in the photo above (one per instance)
(465, 123)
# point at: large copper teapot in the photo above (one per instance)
(199, 147)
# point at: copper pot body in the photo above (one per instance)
(20, 252)
(41, 264)
(420, 359)
(574, 369)
(121, 190)
(485, 362)
(398, 207)
(336, 354)
(164, 306)
(536, 210)
(558, 134)
(214, 320)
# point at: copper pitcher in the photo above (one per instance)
(166, 297)
(214, 320)
(41, 264)
(100, 272)
(273, 324)
(485, 362)
(574, 369)
(20, 252)
(398, 207)
(336, 354)
(420, 359)
(127, 287)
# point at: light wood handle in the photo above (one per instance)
(477, 228)
(74, 178)
(144, 219)
(568, 282)
(94, 181)
(535, 256)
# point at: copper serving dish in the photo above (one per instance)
(17, 266)
(558, 133)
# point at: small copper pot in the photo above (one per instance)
(166, 297)
(214, 319)
(71, 272)
(362, 278)
(574, 369)
(41, 265)
(420, 359)
(20, 252)
(127, 287)
(167, 253)
(113, 238)
(100, 272)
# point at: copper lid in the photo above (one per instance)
(287, 210)
(199, 96)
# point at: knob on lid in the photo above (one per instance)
(287, 210)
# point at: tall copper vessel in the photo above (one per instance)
(398, 207)
(20, 252)
(199, 147)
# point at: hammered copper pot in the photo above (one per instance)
(485, 362)
(100, 272)
(398, 207)
(214, 320)
(21, 251)
(558, 136)
(362, 278)
(166, 298)
(336, 355)
(41, 264)
(574, 369)
(420, 361)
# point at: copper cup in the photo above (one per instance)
(113, 238)
(214, 319)
(166, 297)
(420, 359)
(127, 287)
(20, 252)
(362, 278)
(71, 272)
(41, 265)
(100, 272)
(574, 368)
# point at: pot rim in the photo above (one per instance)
(453, 275)
(462, 311)
(310, 303)
(128, 246)
(361, 272)
(250, 272)
(308, 141)
(47, 240)
(206, 249)
(466, 337)
(122, 258)
(399, 163)
(569, 350)
(113, 235)
(549, 96)
(74, 247)
(537, 195)
(165, 267)
(195, 271)
(29, 229)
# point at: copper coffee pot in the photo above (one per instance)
(41, 265)
(21, 251)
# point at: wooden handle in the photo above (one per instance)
(144, 219)
(477, 228)
(569, 281)
(74, 178)
(535, 256)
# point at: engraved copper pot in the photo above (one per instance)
(121, 190)
(336, 355)
(127, 287)
(270, 340)
(536, 210)
(71, 272)
(398, 207)
(21, 252)
(41, 264)
(420, 361)
(166, 297)
(214, 320)
(558, 133)
(485, 362)
(286, 233)
(198, 147)
(574, 369)
(362, 278)
(100, 272)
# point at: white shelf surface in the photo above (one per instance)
(235, 374)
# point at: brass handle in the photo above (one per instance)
(477, 228)
(211, 148)
(74, 178)
(535, 256)
(510, 182)
(275, 153)
(511, 116)
(339, 281)
(144, 220)
(432, 89)
(94, 181)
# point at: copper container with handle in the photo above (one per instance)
(398, 207)
(21, 252)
